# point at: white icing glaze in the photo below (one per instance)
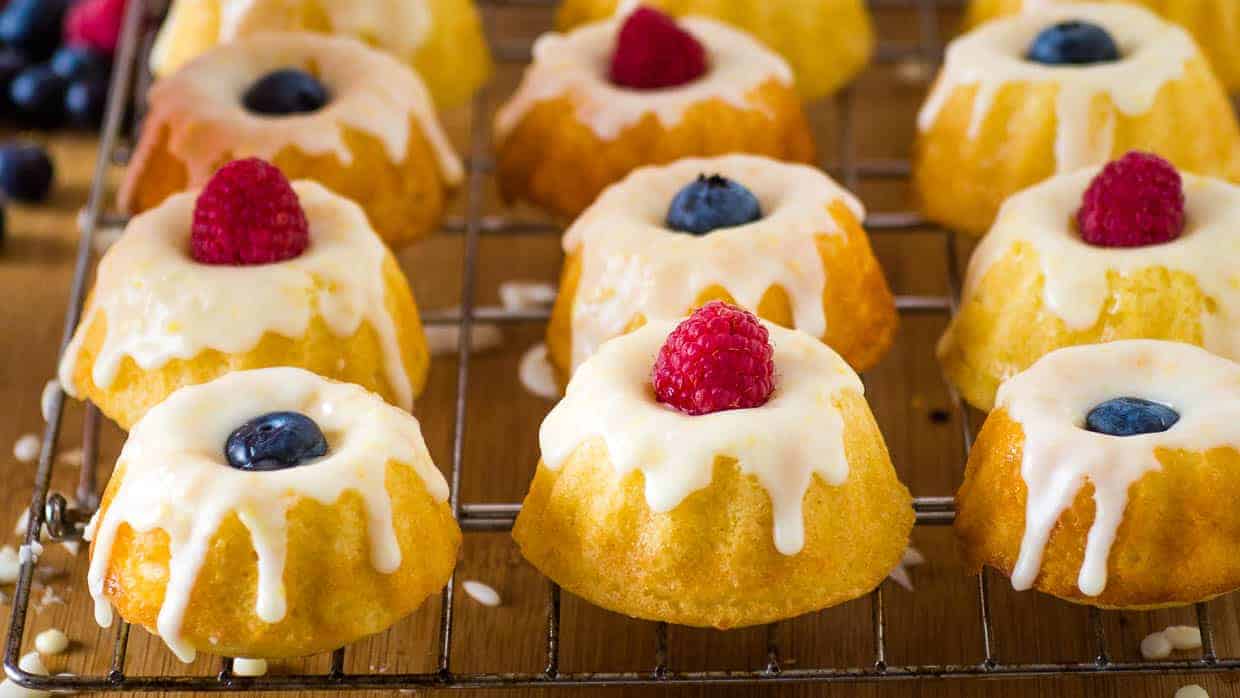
(482, 593)
(1050, 401)
(537, 374)
(26, 448)
(1155, 646)
(177, 480)
(1183, 637)
(632, 263)
(200, 106)
(991, 56)
(575, 66)
(160, 304)
(1076, 285)
(51, 641)
(797, 434)
(244, 666)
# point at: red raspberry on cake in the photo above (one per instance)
(653, 52)
(1135, 201)
(248, 214)
(720, 358)
(95, 23)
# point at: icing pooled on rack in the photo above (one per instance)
(797, 434)
(200, 106)
(1076, 287)
(633, 264)
(574, 66)
(1154, 53)
(1050, 401)
(177, 480)
(159, 304)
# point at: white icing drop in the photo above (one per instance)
(1192, 690)
(176, 479)
(370, 91)
(526, 295)
(632, 263)
(1050, 401)
(1075, 272)
(26, 448)
(51, 641)
(575, 66)
(244, 666)
(537, 374)
(445, 340)
(1155, 646)
(482, 593)
(160, 304)
(1183, 637)
(47, 397)
(1154, 53)
(10, 566)
(798, 433)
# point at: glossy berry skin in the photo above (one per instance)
(12, 64)
(284, 92)
(1073, 43)
(95, 23)
(1130, 416)
(78, 62)
(711, 203)
(248, 214)
(26, 172)
(38, 95)
(275, 441)
(85, 101)
(1135, 201)
(653, 52)
(720, 358)
(32, 26)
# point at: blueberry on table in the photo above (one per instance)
(26, 172)
(12, 63)
(85, 101)
(75, 62)
(1130, 416)
(1073, 43)
(284, 92)
(710, 203)
(275, 441)
(38, 96)
(33, 26)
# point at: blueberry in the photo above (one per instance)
(275, 441)
(286, 91)
(33, 26)
(38, 95)
(77, 62)
(1073, 43)
(25, 172)
(711, 203)
(85, 101)
(1130, 416)
(12, 63)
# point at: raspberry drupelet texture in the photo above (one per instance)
(1135, 201)
(653, 52)
(248, 214)
(720, 358)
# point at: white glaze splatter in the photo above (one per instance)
(51, 641)
(26, 448)
(244, 666)
(537, 374)
(482, 593)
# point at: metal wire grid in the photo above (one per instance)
(64, 521)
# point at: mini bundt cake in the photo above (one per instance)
(782, 240)
(613, 96)
(827, 42)
(253, 273)
(270, 513)
(1130, 251)
(1105, 476)
(724, 475)
(328, 109)
(1215, 24)
(426, 34)
(1026, 97)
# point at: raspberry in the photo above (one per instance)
(718, 359)
(95, 23)
(652, 51)
(1135, 201)
(248, 214)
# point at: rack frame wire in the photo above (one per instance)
(63, 521)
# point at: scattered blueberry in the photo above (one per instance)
(275, 441)
(77, 62)
(33, 26)
(711, 203)
(38, 95)
(1130, 416)
(25, 172)
(85, 101)
(12, 63)
(286, 91)
(1073, 43)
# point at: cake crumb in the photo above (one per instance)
(1156, 646)
(536, 373)
(243, 666)
(26, 449)
(1183, 637)
(482, 593)
(51, 641)
(1191, 691)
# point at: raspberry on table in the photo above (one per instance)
(248, 214)
(1135, 201)
(720, 358)
(653, 52)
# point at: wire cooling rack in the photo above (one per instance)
(63, 521)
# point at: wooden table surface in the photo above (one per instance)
(935, 624)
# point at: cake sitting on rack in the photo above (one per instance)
(1051, 91)
(329, 109)
(723, 472)
(428, 35)
(782, 240)
(612, 96)
(827, 42)
(271, 513)
(251, 272)
(1105, 476)
(1135, 250)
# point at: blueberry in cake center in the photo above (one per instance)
(275, 441)
(284, 92)
(1073, 43)
(1130, 416)
(711, 203)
